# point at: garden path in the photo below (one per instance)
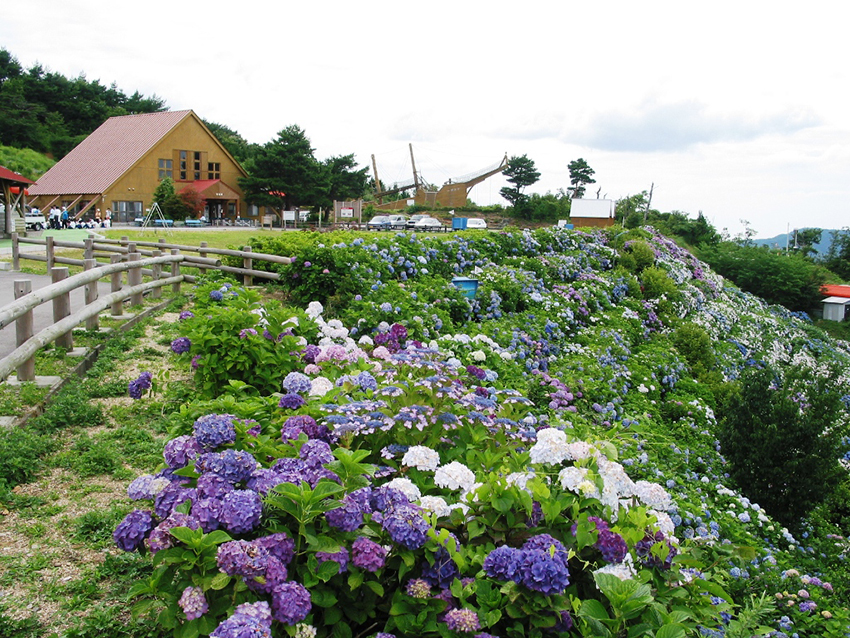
(43, 314)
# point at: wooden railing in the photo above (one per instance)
(125, 256)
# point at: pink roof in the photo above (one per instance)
(105, 155)
(12, 176)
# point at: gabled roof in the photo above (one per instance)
(109, 152)
(834, 290)
(838, 300)
(12, 176)
(211, 189)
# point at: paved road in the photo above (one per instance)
(43, 314)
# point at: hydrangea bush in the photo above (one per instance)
(550, 467)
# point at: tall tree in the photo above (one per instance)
(235, 144)
(521, 172)
(580, 174)
(284, 173)
(344, 180)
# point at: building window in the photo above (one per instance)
(184, 165)
(197, 165)
(165, 168)
(127, 211)
(213, 170)
(253, 210)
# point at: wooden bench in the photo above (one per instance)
(195, 223)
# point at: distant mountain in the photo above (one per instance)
(780, 241)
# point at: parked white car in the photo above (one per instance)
(428, 223)
(475, 222)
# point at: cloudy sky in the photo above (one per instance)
(737, 109)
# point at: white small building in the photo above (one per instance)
(836, 308)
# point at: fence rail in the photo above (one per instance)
(125, 256)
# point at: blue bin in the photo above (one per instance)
(458, 223)
(466, 285)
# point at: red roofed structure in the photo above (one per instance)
(13, 199)
(833, 290)
(119, 166)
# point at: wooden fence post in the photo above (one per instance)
(62, 308)
(50, 253)
(156, 269)
(88, 251)
(134, 278)
(175, 272)
(202, 253)
(124, 241)
(247, 262)
(16, 253)
(92, 323)
(115, 280)
(23, 330)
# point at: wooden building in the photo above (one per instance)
(595, 213)
(119, 166)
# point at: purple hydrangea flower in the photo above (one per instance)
(341, 558)
(291, 401)
(242, 558)
(215, 430)
(443, 571)
(186, 314)
(208, 512)
(241, 511)
(418, 588)
(612, 546)
(137, 387)
(160, 536)
(502, 563)
(235, 466)
(196, 362)
(250, 620)
(310, 353)
(146, 487)
(216, 295)
(296, 424)
(476, 372)
(388, 498)
(539, 571)
(546, 542)
(463, 620)
(170, 497)
(211, 485)
(297, 382)
(178, 452)
(367, 554)
(643, 549)
(193, 603)
(181, 345)
(131, 532)
(366, 381)
(247, 332)
(278, 545)
(407, 527)
(264, 480)
(291, 603)
(316, 453)
(347, 518)
(274, 575)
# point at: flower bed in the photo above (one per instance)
(552, 468)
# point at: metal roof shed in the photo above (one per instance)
(836, 308)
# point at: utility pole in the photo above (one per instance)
(415, 176)
(648, 202)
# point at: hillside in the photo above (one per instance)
(581, 394)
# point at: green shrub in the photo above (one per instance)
(783, 440)
(20, 455)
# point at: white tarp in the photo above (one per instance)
(596, 208)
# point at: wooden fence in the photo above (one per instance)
(124, 256)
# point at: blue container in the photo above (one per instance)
(458, 223)
(466, 285)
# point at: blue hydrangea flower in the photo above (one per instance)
(131, 532)
(214, 430)
(297, 382)
(241, 511)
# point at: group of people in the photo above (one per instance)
(61, 218)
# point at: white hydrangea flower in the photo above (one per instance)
(406, 487)
(435, 504)
(551, 447)
(320, 386)
(366, 340)
(314, 309)
(665, 523)
(520, 479)
(652, 495)
(507, 356)
(579, 450)
(478, 355)
(303, 630)
(623, 571)
(422, 458)
(571, 477)
(454, 476)
(292, 320)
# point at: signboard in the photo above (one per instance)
(346, 212)
(289, 215)
(596, 208)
